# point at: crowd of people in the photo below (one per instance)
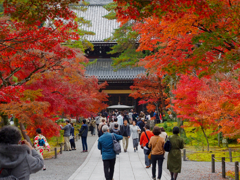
(122, 126)
(20, 159)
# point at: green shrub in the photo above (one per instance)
(60, 121)
(169, 129)
(165, 125)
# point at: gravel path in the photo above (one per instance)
(200, 170)
(66, 163)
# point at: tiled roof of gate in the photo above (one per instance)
(103, 70)
(99, 1)
(102, 27)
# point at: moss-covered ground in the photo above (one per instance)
(196, 145)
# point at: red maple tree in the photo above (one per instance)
(39, 77)
(150, 90)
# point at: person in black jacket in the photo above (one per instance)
(84, 132)
(72, 140)
(141, 125)
(125, 132)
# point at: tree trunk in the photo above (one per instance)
(219, 137)
(16, 122)
(157, 109)
(25, 136)
(205, 138)
(182, 131)
(162, 107)
(5, 119)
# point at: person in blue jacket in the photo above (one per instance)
(105, 144)
(84, 132)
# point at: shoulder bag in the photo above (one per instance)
(150, 155)
(116, 145)
(148, 149)
(167, 146)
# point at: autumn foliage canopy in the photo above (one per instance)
(40, 78)
(197, 41)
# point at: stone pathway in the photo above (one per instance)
(65, 164)
(129, 166)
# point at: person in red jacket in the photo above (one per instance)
(145, 138)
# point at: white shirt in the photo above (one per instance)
(120, 120)
(163, 135)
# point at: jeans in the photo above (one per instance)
(84, 143)
(135, 143)
(155, 159)
(72, 142)
(147, 161)
(125, 142)
(108, 166)
(93, 131)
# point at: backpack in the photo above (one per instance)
(100, 133)
(41, 142)
(167, 146)
(116, 145)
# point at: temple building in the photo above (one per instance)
(119, 81)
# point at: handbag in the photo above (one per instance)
(167, 146)
(116, 145)
(148, 149)
(150, 154)
(70, 137)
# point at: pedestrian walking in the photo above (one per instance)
(103, 117)
(130, 114)
(66, 135)
(112, 124)
(125, 132)
(135, 116)
(135, 130)
(17, 156)
(83, 133)
(97, 118)
(100, 133)
(40, 144)
(116, 129)
(126, 117)
(105, 145)
(174, 161)
(72, 140)
(163, 133)
(141, 125)
(93, 126)
(157, 154)
(145, 138)
(120, 119)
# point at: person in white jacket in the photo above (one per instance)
(135, 130)
(120, 119)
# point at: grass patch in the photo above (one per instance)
(196, 146)
(206, 156)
